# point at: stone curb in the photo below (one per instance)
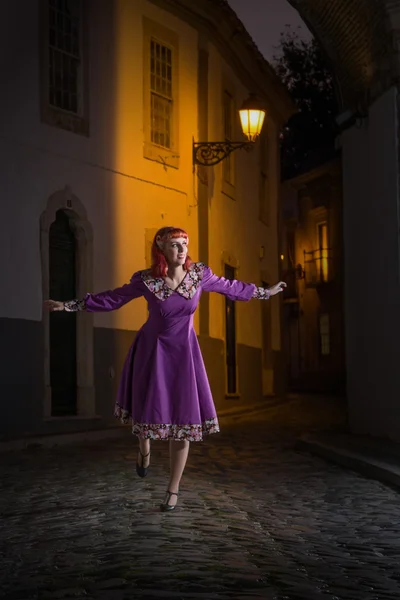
(63, 439)
(237, 411)
(365, 465)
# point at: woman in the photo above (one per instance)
(164, 388)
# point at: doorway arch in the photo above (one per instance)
(66, 217)
(62, 330)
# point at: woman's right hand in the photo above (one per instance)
(54, 305)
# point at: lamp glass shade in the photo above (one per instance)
(252, 115)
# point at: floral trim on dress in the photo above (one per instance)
(75, 305)
(167, 431)
(187, 288)
(261, 293)
(121, 414)
(191, 433)
(192, 281)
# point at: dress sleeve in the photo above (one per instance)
(110, 300)
(233, 289)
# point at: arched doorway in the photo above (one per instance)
(66, 244)
(62, 285)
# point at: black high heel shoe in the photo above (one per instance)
(141, 470)
(165, 506)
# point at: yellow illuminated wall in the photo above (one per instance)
(236, 233)
(142, 194)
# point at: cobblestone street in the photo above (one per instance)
(256, 519)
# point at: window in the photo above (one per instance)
(64, 94)
(160, 99)
(322, 253)
(228, 119)
(161, 94)
(65, 54)
(324, 334)
(317, 265)
(317, 262)
(263, 196)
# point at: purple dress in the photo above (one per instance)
(164, 387)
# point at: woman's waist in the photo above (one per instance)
(161, 323)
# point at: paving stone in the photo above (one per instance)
(255, 519)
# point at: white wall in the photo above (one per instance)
(372, 270)
(122, 192)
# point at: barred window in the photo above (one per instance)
(65, 55)
(161, 94)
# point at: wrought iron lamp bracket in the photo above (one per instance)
(209, 154)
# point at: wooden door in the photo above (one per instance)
(63, 381)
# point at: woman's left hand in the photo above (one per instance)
(278, 287)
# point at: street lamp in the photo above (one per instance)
(252, 114)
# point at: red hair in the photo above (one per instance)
(159, 266)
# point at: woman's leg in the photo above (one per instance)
(144, 447)
(178, 453)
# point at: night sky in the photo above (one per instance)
(265, 25)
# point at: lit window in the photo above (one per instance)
(160, 94)
(322, 253)
(161, 99)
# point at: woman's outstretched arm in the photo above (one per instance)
(238, 290)
(104, 301)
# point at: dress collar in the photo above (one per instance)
(187, 288)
